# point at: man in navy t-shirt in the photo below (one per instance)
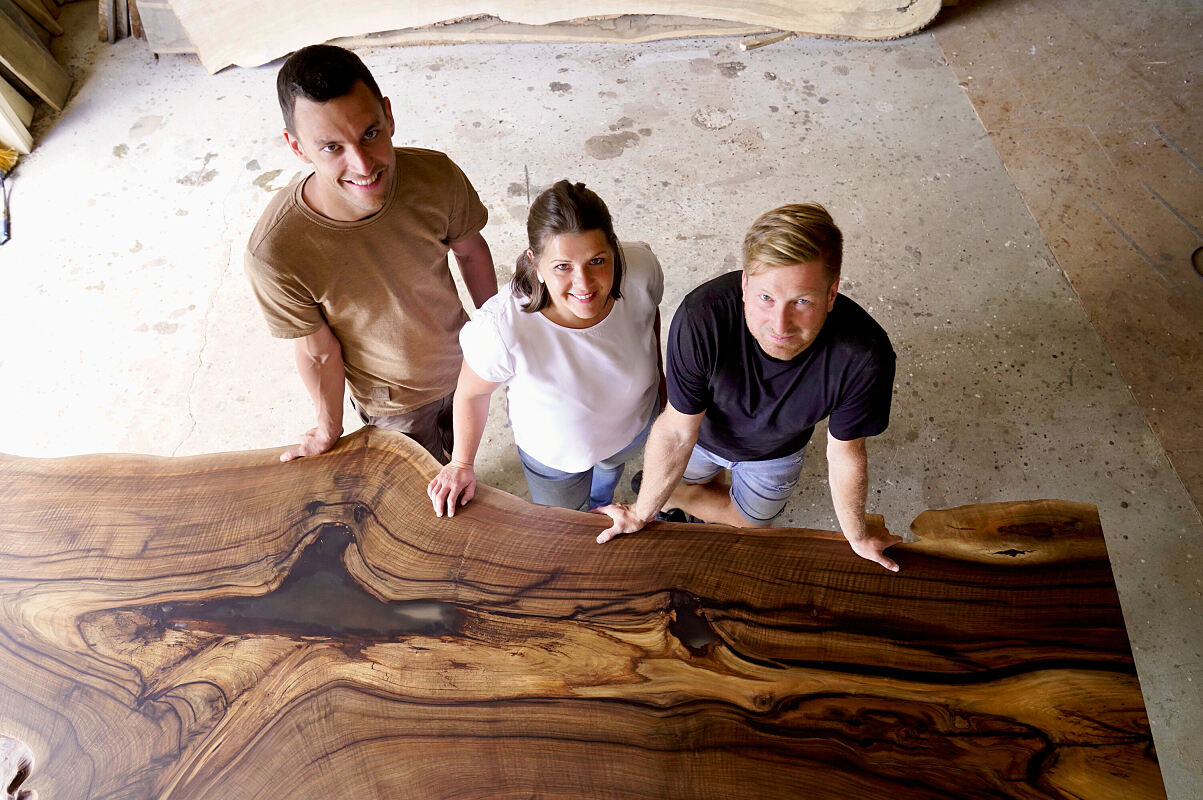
(755, 359)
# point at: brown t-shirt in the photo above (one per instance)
(382, 284)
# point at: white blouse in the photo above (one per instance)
(576, 396)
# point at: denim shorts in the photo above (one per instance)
(759, 489)
(580, 490)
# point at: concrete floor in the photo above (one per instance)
(131, 327)
(1094, 107)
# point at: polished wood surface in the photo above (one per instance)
(229, 626)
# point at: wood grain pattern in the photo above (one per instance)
(229, 626)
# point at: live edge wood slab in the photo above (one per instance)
(227, 626)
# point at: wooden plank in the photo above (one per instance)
(230, 626)
(38, 12)
(32, 63)
(22, 109)
(15, 82)
(20, 18)
(106, 21)
(135, 21)
(52, 7)
(13, 134)
(121, 18)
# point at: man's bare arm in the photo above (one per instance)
(848, 474)
(668, 447)
(476, 265)
(319, 359)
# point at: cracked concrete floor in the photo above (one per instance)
(131, 328)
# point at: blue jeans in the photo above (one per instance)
(759, 489)
(579, 490)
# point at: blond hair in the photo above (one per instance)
(794, 234)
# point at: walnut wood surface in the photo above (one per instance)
(229, 626)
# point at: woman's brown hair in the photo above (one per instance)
(564, 208)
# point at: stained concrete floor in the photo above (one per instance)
(1094, 108)
(130, 326)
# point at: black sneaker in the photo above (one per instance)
(637, 481)
(676, 515)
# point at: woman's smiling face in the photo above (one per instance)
(578, 270)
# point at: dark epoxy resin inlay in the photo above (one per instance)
(690, 627)
(317, 598)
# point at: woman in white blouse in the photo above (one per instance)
(576, 341)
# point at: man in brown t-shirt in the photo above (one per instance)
(351, 261)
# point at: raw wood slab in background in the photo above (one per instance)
(229, 626)
(458, 23)
(251, 34)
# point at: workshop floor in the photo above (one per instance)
(1039, 303)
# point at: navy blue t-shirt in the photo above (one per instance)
(758, 407)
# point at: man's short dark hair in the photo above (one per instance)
(320, 72)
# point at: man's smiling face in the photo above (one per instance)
(348, 140)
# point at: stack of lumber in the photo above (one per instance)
(119, 19)
(27, 69)
(152, 21)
